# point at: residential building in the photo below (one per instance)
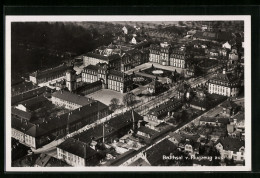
(231, 148)
(214, 121)
(230, 108)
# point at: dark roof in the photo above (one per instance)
(49, 72)
(147, 130)
(227, 77)
(239, 116)
(111, 126)
(73, 98)
(36, 131)
(229, 104)
(74, 116)
(116, 73)
(20, 124)
(156, 152)
(78, 148)
(88, 86)
(200, 103)
(101, 57)
(124, 119)
(216, 36)
(215, 119)
(233, 144)
(154, 84)
(163, 108)
(29, 94)
(20, 113)
(22, 87)
(91, 67)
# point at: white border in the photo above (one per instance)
(247, 69)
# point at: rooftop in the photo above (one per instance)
(73, 98)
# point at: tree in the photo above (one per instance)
(114, 103)
(129, 99)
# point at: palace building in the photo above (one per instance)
(160, 53)
(224, 84)
(178, 58)
(111, 79)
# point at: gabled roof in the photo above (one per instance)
(78, 148)
(73, 98)
(147, 130)
(232, 144)
(20, 113)
(49, 72)
(101, 57)
(215, 119)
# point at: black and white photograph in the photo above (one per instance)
(128, 93)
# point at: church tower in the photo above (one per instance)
(71, 79)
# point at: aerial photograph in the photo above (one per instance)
(127, 93)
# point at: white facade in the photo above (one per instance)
(70, 158)
(66, 104)
(92, 61)
(237, 156)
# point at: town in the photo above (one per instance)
(153, 94)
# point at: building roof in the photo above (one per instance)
(71, 97)
(91, 67)
(232, 144)
(177, 136)
(155, 154)
(77, 147)
(147, 130)
(20, 124)
(216, 36)
(88, 86)
(20, 113)
(51, 71)
(165, 107)
(215, 119)
(101, 57)
(229, 104)
(29, 94)
(227, 77)
(116, 73)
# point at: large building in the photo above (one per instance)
(224, 84)
(164, 54)
(49, 74)
(158, 113)
(160, 53)
(38, 134)
(69, 100)
(111, 79)
(178, 58)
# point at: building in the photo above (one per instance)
(159, 112)
(69, 100)
(154, 87)
(231, 148)
(178, 58)
(160, 53)
(213, 36)
(230, 108)
(224, 84)
(125, 30)
(111, 79)
(88, 88)
(119, 81)
(71, 79)
(43, 76)
(214, 121)
(93, 58)
(39, 134)
(77, 153)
